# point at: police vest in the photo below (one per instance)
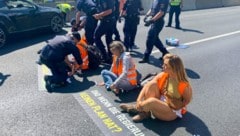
(181, 87)
(117, 69)
(175, 2)
(64, 7)
(84, 54)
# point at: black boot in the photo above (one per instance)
(144, 60)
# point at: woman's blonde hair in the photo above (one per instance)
(116, 45)
(177, 66)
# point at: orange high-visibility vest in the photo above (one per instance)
(181, 87)
(81, 45)
(117, 69)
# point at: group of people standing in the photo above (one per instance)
(164, 97)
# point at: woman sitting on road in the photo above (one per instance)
(164, 97)
(122, 74)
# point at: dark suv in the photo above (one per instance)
(21, 16)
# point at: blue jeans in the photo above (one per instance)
(108, 78)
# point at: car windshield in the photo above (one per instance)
(19, 4)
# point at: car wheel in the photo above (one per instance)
(56, 23)
(3, 37)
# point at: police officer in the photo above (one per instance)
(90, 8)
(175, 7)
(156, 22)
(116, 14)
(130, 11)
(105, 27)
(53, 56)
(65, 8)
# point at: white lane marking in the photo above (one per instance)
(202, 40)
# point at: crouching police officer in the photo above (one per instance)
(131, 13)
(90, 8)
(156, 22)
(105, 27)
(53, 56)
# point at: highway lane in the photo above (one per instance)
(212, 65)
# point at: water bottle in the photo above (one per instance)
(172, 41)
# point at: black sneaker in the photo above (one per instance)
(168, 26)
(144, 60)
(48, 87)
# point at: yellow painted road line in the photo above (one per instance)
(42, 70)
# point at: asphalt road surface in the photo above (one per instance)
(82, 109)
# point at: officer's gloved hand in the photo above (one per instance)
(148, 22)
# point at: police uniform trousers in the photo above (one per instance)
(115, 30)
(90, 26)
(130, 30)
(105, 27)
(153, 38)
(177, 11)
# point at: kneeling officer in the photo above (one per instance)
(53, 56)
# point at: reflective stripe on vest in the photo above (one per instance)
(181, 87)
(117, 69)
(175, 2)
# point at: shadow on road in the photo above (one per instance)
(3, 78)
(192, 74)
(23, 40)
(191, 30)
(81, 82)
(152, 60)
(191, 123)
(76, 86)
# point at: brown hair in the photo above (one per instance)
(117, 45)
(177, 66)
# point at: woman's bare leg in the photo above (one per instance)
(159, 109)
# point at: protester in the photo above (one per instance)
(165, 97)
(122, 74)
(81, 45)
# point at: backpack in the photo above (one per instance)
(94, 56)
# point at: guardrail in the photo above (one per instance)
(187, 4)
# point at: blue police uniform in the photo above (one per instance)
(155, 29)
(90, 8)
(105, 27)
(132, 8)
(53, 56)
(116, 14)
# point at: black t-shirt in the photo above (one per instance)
(132, 7)
(104, 5)
(87, 6)
(159, 5)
